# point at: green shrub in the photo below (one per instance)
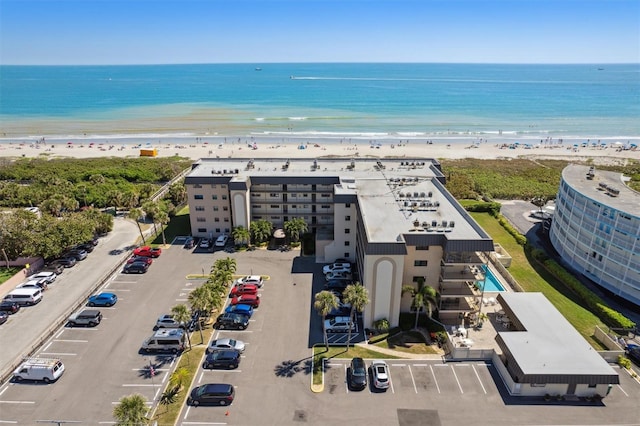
(624, 362)
(520, 239)
(492, 208)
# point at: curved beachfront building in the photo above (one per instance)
(596, 229)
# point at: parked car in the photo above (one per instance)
(34, 283)
(339, 325)
(336, 267)
(357, 375)
(240, 309)
(337, 285)
(221, 241)
(340, 311)
(42, 369)
(4, 317)
(48, 276)
(212, 394)
(136, 268)
(246, 299)
(54, 267)
(223, 358)
(189, 243)
(140, 259)
(88, 317)
(226, 343)
(233, 321)
(332, 276)
(147, 251)
(67, 262)
(103, 299)
(205, 243)
(633, 353)
(380, 375)
(167, 321)
(9, 307)
(78, 254)
(250, 279)
(244, 289)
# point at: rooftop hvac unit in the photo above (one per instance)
(425, 224)
(434, 223)
(406, 204)
(444, 223)
(436, 204)
(452, 224)
(422, 194)
(415, 195)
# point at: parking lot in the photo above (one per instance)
(273, 380)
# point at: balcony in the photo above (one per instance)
(462, 258)
(459, 290)
(462, 304)
(453, 275)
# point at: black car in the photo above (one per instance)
(340, 311)
(229, 320)
(213, 394)
(9, 307)
(88, 247)
(3, 317)
(136, 268)
(77, 254)
(633, 353)
(338, 285)
(357, 374)
(189, 243)
(225, 358)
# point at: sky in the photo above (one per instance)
(113, 32)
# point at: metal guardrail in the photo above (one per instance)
(61, 321)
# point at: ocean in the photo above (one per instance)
(373, 100)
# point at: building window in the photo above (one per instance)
(215, 197)
(347, 230)
(325, 195)
(346, 255)
(199, 208)
(305, 195)
(215, 208)
(347, 218)
(422, 247)
(225, 208)
(226, 219)
(198, 197)
(273, 195)
(294, 195)
(201, 219)
(416, 278)
(201, 230)
(197, 185)
(213, 185)
(419, 263)
(217, 219)
(274, 206)
(325, 206)
(255, 194)
(347, 205)
(293, 206)
(224, 197)
(540, 385)
(223, 186)
(347, 243)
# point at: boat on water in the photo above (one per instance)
(258, 69)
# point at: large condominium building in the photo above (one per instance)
(596, 229)
(393, 218)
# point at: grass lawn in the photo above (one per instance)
(534, 278)
(178, 226)
(410, 342)
(6, 273)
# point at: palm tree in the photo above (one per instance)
(163, 218)
(131, 410)
(295, 227)
(179, 378)
(201, 300)
(325, 302)
(261, 230)
(424, 296)
(223, 271)
(241, 235)
(358, 297)
(136, 215)
(182, 315)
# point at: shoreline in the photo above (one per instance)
(598, 150)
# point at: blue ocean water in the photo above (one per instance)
(409, 99)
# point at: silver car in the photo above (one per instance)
(226, 344)
(380, 375)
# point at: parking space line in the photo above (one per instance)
(59, 334)
(8, 421)
(57, 353)
(456, 376)
(626, 394)
(391, 382)
(216, 370)
(434, 378)
(182, 300)
(200, 378)
(202, 423)
(47, 346)
(413, 380)
(17, 402)
(420, 365)
(4, 390)
(478, 376)
(346, 382)
(71, 341)
(119, 289)
(398, 365)
(133, 385)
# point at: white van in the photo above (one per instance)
(165, 340)
(25, 296)
(44, 369)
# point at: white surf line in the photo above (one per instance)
(434, 378)
(413, 380)
(456, 376)
(71, 341)
(58, 353)
(478, 376)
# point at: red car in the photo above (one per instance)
(244, 289)
(147, 251)
(140, 259)
(246, 299)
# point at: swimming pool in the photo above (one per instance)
(491, 283)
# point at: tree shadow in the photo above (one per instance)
(306, 365)
(157, 363)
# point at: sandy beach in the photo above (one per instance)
(599, 151)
